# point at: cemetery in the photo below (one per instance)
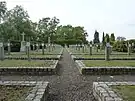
(46, 61)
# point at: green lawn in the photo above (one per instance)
(56, 51)
(32, 55)
(126, 92)
(13, 93)
(25, 63)
(103, 56)
(113, 63)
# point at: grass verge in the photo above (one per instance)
(125, 91)
(113, 63)
(25, 63)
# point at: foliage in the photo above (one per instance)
(120, 46)
(17, 21)
(112, 38)
(96, 38)
(103, 39)
(71, 35)
(107, 39)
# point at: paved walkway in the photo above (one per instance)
(69, 85)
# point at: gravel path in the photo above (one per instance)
(69, 85)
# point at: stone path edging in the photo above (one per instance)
(30, 70)
(103, 92)
(104, 70)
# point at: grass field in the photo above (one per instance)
(103, 56)
(113, 63)
(126, 92)
(33, 56)
(25, 63)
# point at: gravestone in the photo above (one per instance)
(28, 50)
(107, 52)
(133, 46)
(79, 47)
(43, 49)
(90, 49)
(96, 48)
(129, 49)
(23, 44)
(49, 44)
(51, 47)
(33, 47)
(76, 46)
(100, 47)
(37, 47)
(83, 48)
(1, 51)
(9, 48)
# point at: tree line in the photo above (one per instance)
(15, 21)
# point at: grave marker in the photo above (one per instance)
(107, 52)
(1, 51)
(90, 49)
(129, 49)
(28, 50)
(83, 48)
(9, 48)
(23, 44)
(43, 48)
(97, 48)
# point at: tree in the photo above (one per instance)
(103, 39)
(47, 28)
(96, 38)
(107, 39)
(19, 20)
(112, 38)
(3, 10)
(71, 35)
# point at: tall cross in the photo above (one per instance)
(23, 36)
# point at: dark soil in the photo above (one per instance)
(13, 93)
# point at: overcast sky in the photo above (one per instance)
(110, 16)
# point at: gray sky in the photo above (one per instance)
(110, 16)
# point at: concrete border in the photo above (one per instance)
(33, 70)
(39, 92)
(103, 92)
(30, 70)
(103, 70)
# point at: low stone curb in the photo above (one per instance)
(104, 70)
(39, 91)
(96, 54)
(30, 70)
(103, 58)
(25, 58)
(103, 92)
